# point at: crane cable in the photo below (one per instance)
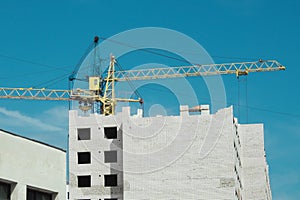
(247, 116)
(168, 56)
(241, 82)
(52, 81)
(238, 96)
(234, 104)
(33, 62)
(133, 88)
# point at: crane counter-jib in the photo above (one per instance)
(35, 94)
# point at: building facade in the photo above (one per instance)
(31, 170)
(128, 157)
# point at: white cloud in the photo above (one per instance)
(58, 116)
(19, 120)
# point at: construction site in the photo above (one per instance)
(149, 100)
(125, 155)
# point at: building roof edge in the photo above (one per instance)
(33, 140)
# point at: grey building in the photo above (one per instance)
(202, 156)
(31, 170)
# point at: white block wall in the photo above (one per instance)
(165, 157)
(255, 168)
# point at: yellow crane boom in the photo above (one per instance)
(108, 99)
(238, 68)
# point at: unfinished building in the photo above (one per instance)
(131, 157)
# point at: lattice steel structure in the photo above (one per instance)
(105, 93)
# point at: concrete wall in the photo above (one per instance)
(179, 157)
(173, 157)
(97, 169)
(169, 157)
(255, 168)
(27, 163)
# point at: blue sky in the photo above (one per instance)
(42, 41)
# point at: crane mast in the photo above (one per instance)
(109, 92)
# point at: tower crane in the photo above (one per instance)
(102, 89)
